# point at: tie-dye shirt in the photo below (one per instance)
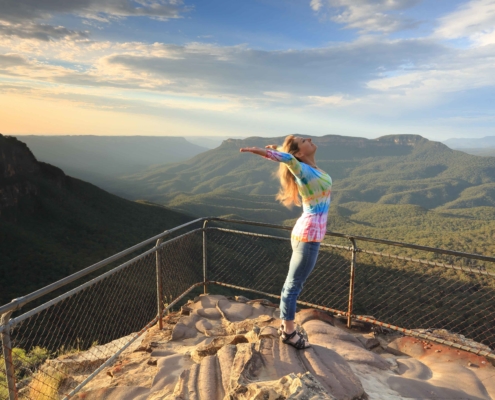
(315, 188)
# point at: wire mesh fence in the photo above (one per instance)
(260, 262)
(439, 299)
(254, 261)
(446, 297)
(82, 331)
(58, 346)
(181, 263)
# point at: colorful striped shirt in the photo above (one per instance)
(315, 188)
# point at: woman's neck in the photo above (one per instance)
(310, 160)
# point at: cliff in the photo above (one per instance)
(20, 175)
(52, 225)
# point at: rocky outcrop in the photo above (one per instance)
(15, 159)
(19, 175)
(218, 348)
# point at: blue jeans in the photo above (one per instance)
(302, 262)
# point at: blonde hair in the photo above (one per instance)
(288, 194)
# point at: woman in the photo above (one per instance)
(299, 176)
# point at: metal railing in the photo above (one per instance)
(58, 346)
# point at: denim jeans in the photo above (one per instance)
(302, 262)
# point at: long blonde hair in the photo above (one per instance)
(288, 194)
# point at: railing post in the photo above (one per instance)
(7, 356)
(351, 283)
(205, 259)
(159, 286)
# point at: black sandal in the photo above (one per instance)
(299, 345)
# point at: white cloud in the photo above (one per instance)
(241, 71)
(367, 15)
(331, 101)
(334, 76)
(398, 75)
(316, 5)
(474, 20)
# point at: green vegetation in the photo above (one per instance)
(401, 187)
(25, 365)
(484, 152)
(72, 227)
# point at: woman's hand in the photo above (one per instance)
(255, 150)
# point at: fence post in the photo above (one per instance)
(7, 356)
(205, 260)
(351, 283)
(159, 286)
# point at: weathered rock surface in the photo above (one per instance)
(227, 349)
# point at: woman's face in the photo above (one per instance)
(306, 146)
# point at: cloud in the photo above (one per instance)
(474, 20)
(20, 18)
(367, 15)
(11, 60)
(25, 10)
(39, 32)
(241, 71)
(325, 101)
(316, 5)
(330, 77)
(370, 76)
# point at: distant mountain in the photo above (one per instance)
(401, 169)
(210, 142)
(483, 152)
(100, 159)
(401, 187)
(471, 143)
(52, 225)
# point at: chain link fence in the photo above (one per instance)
(432, 297)
(53, 349)
(260, 262)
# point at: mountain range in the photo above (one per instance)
(401, 187)
(402, 169)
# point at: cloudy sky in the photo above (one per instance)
(248, 68)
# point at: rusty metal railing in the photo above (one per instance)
(434, 294)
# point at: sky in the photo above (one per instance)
(248, 68)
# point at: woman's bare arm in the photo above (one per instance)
(255, 150)
(258, 150)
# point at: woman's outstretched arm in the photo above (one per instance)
(255, 150)
(271, 153)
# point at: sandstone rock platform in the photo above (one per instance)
(228, 348)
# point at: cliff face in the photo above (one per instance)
(20, 175)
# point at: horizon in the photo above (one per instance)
(264, 68)
(236, 137)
